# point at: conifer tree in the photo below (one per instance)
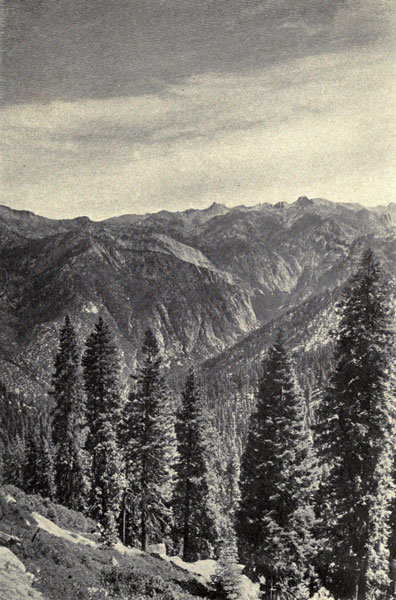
(39, 471)
(150, 450)
(356, 435)
(15, 462)
(195, 523)
(14, 417)
(276, 518)
(2, 455)
(68, 425)
(232, 475)
(227, 576)
(392, 552)
(104, 404)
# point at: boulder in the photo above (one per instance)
(159, 549)
(8, 561)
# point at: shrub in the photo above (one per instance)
(126, 580)
(60, 515)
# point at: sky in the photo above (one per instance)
(135, 106)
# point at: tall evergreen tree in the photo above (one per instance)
(15, 415)
(231, 477)
(150, 450)
(355, 431)
(39, 470)
(227, 576)
(68, 425)
(392, 549)
(2, 456)
(104, 405)
(195, 523)
(276, 518)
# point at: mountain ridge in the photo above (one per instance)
(202, 279)
(302, 201)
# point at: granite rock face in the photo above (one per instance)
(15, 582)
(202, 279)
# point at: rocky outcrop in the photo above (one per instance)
(15, 581)
(203, 280)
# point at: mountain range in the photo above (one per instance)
(213, 284)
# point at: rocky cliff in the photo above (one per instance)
(204, 280)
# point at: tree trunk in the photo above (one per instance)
(361, 588)
(392, 589)
(123, 526)
(186, 526)
(144, 533)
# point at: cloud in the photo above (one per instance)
(318, 125)
(71, 49)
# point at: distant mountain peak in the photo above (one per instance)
(216, 206)
(4, 210)
(304, 201)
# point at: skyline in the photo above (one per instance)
(193, 102)
(205, 208)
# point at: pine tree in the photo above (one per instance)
(150, 451)
(195, 523)
(355, 431)
(104, 404)
(14, 417)
(46, 464)
(68, 425)
(227, 576)
(15, 462)
(231, 477)
(39, 470)
(392, 550)
(2, 457)
(276, 518)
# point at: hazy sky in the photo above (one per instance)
(119, 106)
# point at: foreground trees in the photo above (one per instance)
(278, 481)
(195, 524)
(101, 371)
(356, 441)
(68, 423)
(150, 450)
(39, 470)
(182, 481)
